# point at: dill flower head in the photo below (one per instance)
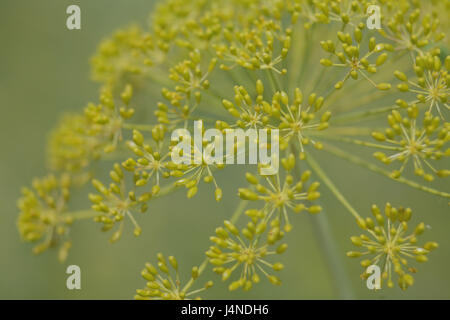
(250, 113)
(262, 44)
(190, 79)
(353, 59)
(410, 141)
(116, 203)
(163, 281)
(106, 119)
(70, 148)
(412, 29)
(340, 11)
(280, 196)
(388, 244)
(309, 70)
(42, 218)
(299, 119)
(80, 139)
(127, 52)
(432, 84)
(150, 166)
(248, 251)
(201, 168)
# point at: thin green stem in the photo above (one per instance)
(326, 241)
(166, 190)
(82, 214)
(315, 166)
(305, 55)
(273, 81)
(344, 131)
(356, 116)
(360, 142)
(141, 127)
(200, 271)
(239, 210)
(331, 253)
(365, 164)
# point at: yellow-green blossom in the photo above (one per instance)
(42, 215)
(164, 283)
(419, 144)
(432, 86)
(247, 250)
(388, 244)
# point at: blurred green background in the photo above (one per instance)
(44, 71)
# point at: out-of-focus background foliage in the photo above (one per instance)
(44, 71)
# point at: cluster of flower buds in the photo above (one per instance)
(410, 142)
(70, 146)
(115, 202)
(201, 167)
(256, 47)
(80, 139)
(299, 118)
(432, 86)
(353, 59)
(387, 245)
(152, 163)
(295, 119)
(163, 281)
(190, 81)
(413, 29)
(248, 112)
(42, 214)
(341, 11)
(129, 51)
(279, 198)
(246, 250)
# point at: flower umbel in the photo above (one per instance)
(164, 282)
(116, 202)
(432, 86)
(152, 163)
(164, 77)
(351, 57)
(42, 214)
(279, 198)
(231, 252)
(413, 143)
(389, 246)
